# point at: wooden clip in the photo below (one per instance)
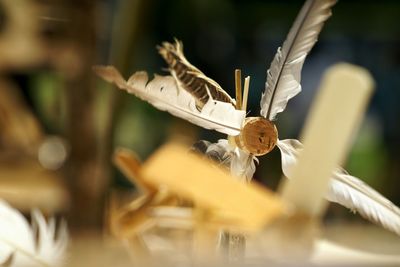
(132, 218)
(248, 206)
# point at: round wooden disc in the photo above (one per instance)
(258, 136)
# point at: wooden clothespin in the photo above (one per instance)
(219, 200)
(133, 218)
(249, 207)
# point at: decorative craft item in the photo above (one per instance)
(281, 227)
(189, 94)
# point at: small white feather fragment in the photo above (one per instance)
(23, 245)
(348, 191)
(163, 93)
(241, 163)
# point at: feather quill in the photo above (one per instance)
(284, 74)
(348, 191)
(163, 93)
(25, 245)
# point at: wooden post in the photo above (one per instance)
(84, 174)
(334, 117)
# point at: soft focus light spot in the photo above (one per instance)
(52, 153)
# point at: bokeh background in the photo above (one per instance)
(59, 124)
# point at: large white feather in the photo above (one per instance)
(163, 93)
(25, 245)
(348, 191)
(284, 74)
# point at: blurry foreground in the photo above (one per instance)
(89, 249)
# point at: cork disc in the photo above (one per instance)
(258, 136)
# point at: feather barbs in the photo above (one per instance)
(348, 191)
(284, 74)
(191, 78)
(23, 245)
(164, 93)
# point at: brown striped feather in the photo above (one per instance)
(191, 78)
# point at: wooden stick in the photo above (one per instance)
(236, 243)
(238, 87)
(334, 117)
(245, 92)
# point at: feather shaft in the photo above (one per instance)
(284, 74)
(163, 93)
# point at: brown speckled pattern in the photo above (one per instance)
(190, 78)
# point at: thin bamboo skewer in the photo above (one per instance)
(245, 93)
(238, 88)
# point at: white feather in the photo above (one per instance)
(284, 74)
(348, 191)
(242, 164)
(359, 197)
(23, 245)
(163, 93)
